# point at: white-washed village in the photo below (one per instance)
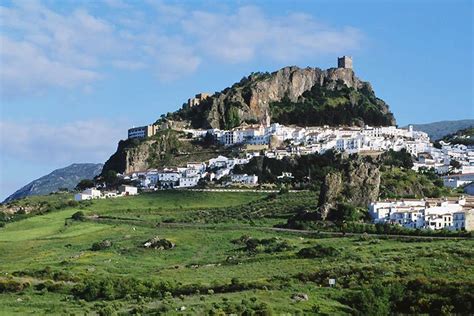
(259, 139)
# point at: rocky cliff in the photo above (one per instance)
(291, 95)
(357, 183)
(168, 148)
(310, 91)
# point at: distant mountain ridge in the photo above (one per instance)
(438, 130)
(67, 177)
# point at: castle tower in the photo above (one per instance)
(344, 62)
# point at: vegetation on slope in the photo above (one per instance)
(330, 97)
(438, 130)
(401, 183)
(167, 148)
(463, 137)
(310, 171)
(220, 268)
(340, 106)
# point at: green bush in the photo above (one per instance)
(318, 251)
(101, 245)
(269, 245)
(7, 285)
(78, 216)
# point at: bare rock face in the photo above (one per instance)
(252, 96)
(358, 184)
(330, 191)
(363, 183)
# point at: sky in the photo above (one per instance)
(75, 75)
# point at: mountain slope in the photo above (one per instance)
(67, 177)
(168, 148)
(464, 136)
(438, 130)
(292, 95)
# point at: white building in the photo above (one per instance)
(424, 214)
(458, 180)
(244, 179)
(186, 182)
(82, 197)
(219, 162)
(88, 194)
(128, 190)
(168, 176)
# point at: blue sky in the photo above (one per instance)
(74, 75)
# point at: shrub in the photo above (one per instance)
(318, 251)
(85, 184)
(269, 245)
(78, 216)
(344, 212)
(101, 245)
(72, 203)
(13, 286)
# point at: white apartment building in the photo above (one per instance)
(142, 131)
(244, 179)
(188, 181)
(424, 213)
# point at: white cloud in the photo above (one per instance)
(78, 141)
(25, 69)
(249, 33)
(42, 48)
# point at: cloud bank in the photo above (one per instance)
(43, 48)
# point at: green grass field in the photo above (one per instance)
(209, 272)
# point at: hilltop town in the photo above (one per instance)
(272, 140)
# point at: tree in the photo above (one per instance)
(111, 178)
(400, 158)
(78, 216)
(455, 164)
(344, 212)
(85, 184)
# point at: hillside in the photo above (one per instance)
(168, 148)
(292, 95)
(464, 136)
(67, 178)
(437, 130)
(225, 258)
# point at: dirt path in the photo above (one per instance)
(141, 222)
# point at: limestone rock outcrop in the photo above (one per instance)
(358, 183)
(249, 100)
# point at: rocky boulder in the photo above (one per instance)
(101, 245)
(159, 243)
(358, 183)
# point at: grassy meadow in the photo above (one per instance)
(224, 261)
